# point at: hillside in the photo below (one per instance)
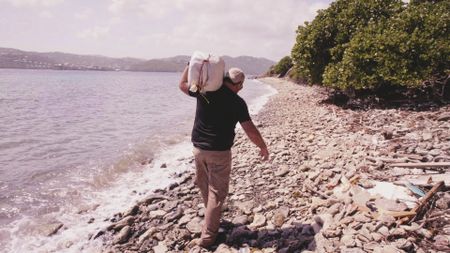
(14, 58)
(250, 65)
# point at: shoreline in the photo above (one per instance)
(117, 189)
(288, 204)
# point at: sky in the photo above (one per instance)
(151, 29)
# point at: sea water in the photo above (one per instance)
(76, 147)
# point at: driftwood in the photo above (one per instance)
(421, 165)
(424, 201)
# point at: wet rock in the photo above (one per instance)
(147, 235)
(123, 235)
(51, 229)
(122, 223)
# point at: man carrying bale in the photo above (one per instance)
(212, 135)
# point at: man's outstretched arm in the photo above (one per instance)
(254, 135)
(184, 81)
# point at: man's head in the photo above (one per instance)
(235, 78)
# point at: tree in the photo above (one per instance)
(283, 66)
(325, 39)
(403, 51)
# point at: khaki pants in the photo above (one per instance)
(212, 177)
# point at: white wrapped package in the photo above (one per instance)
(206, 72)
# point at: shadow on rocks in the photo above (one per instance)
(387, 98)
(295, 238)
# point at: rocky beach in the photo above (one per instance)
(322, 189)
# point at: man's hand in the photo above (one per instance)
(254, 135)
(264, 153)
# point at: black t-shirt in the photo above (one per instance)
(216, 117)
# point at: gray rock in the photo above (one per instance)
(175, 215)
(195, 225)
(154, 198)
(223, 248)
(246, 206)
(241, 219)
(160, 248)
(330, 233)
(444, 116)
(282, 171)
(184, 220)
(398, 232)
(383, 231)
(348, 240)
(258, 221)
(352, 250)
(403, 244)
(362, 218)
(128, 220)
(425, 233)
(427, 136)
(442, 241)
(278, 219)
(385, 249)
(387, 220)
(146, 235)
(123, 235)
(51, 229)
(157, 214)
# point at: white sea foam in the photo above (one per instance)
(256, 105)
(122, 195)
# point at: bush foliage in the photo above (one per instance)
(361, 44)
(282, 67)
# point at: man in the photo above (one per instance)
(213, 135)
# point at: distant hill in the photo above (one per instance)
(14, 58)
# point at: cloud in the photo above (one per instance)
(317, 6)
(46, 14)
(32, 3)
(225, 27)
(95, 33)
(83, 14)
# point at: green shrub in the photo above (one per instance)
(324, 41)
(282, 67)
(405, 50)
